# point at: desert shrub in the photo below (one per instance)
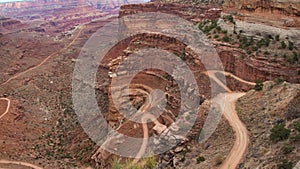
(277, 37)
(226, 39)
(150, 163)
(218, 159)
(202, 24)
(260, 43)
(183, 57)
(297, 126)
(285, 164)
(206, 29)
(259, 85)
(229, 18)
(255, 48)
(244, 40)
(267, 41)
(287, 148)
(291, 45)
(115, 164)
(279, 133)
(224, 31)
(284, 56)
(216, 36)
(295, 138)
(279, 80)
(267, 53)
(290, 60)
(283, 45)
(200, 159)
(251, 42)
(295, 56)
(269, 37)
(130, 165)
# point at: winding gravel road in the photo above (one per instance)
(45, 60)
(7, 108)
(240, 146)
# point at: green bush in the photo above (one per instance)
(150, 163)
(284, 56)
(259, 85)
(267, 53)
(255, 48)
(261, 43)
(295, 56)
(297, 126)
(279, 80)
(224, 31)
(279, 133)
(291, 45)
(200, 159)
(267, 42)
(229, 18)
(115, 164)
(285, 164)
(283, 45)
(295, 138)
(277, 37)
(226, 39)
(287, 148)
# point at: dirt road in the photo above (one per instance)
(20, 163)
(7, 108)
(14, 162)
(45, 60)
(239, 148)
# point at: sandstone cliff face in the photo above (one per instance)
(193, 13)
(251, 69)
(191, 1)
(287, 7)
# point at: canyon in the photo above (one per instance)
(41, 42)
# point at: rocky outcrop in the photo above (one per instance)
(254, 68)
(250, 69)
(9, 24)
(194, 13)
(286, 7)
(220, 2)
(63, 15)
